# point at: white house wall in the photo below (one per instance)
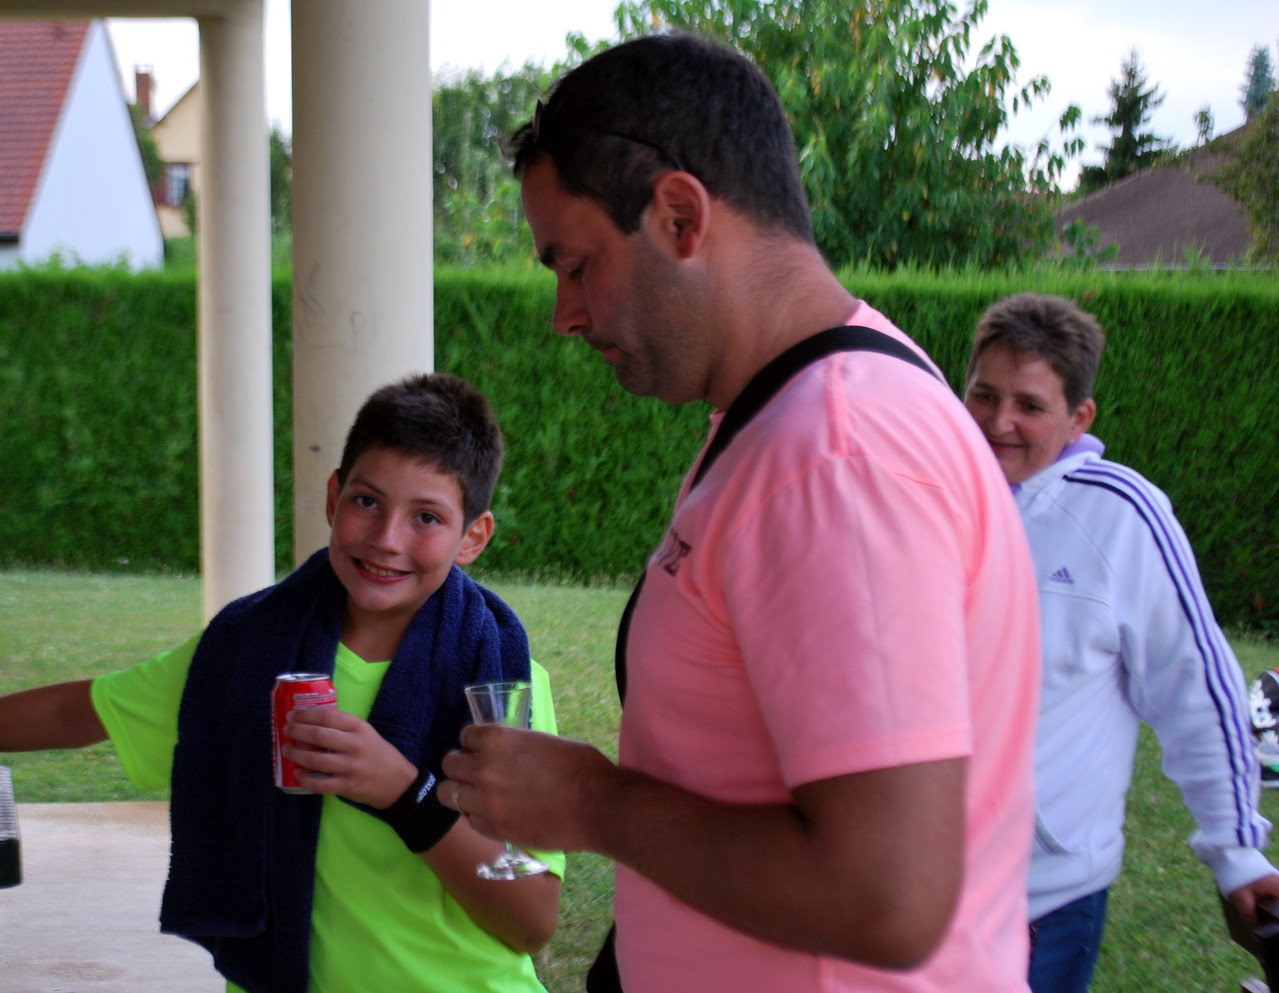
(92, 202)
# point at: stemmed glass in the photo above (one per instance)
(504, 703)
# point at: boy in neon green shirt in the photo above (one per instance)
(387, 873)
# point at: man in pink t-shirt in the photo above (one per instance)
(832, 663)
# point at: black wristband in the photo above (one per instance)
(417, 816)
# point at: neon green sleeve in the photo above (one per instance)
(139, 709)
(543, 708)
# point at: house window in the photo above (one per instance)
(177, 178)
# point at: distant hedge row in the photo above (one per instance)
(98, 403)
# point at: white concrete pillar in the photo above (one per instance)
(362, 281)
(237, 508)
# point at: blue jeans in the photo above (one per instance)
(1064, 945)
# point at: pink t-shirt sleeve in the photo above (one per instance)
(854, 643)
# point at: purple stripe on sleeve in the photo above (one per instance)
(1218, 659)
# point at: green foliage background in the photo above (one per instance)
(99, 451)
(1250, 173)
(896, 110)
(475, 196)
(98, 399)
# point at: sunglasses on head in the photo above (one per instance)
(544, 121)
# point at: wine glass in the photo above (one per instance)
(504, 703)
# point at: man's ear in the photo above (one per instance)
(681, 212)
(475, 538)
(331, 500)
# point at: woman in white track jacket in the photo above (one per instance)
(1128, 635)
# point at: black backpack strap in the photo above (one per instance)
(769, 380)
(763, 387)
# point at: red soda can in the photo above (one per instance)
(294, 691)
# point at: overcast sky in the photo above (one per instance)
(1196, 54)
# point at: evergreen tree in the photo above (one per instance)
(1259, 84)
(1133, 100)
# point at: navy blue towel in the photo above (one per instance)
(242, 863)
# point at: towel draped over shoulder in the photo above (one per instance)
(242, 864)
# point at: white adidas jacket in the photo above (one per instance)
(1128, 636)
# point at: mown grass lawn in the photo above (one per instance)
(1165, 932)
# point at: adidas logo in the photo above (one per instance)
(1061, 576)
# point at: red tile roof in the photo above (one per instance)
(37, 60)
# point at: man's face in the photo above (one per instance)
(626, 297)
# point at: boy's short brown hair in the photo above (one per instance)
(440, 419)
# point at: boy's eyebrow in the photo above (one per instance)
(547, 256)
(428, 501)
(357, 480)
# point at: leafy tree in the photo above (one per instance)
(1133, 100)
(1250, 174)
(281, 181)
(1259, 84)
(896, 123)
(476, 198)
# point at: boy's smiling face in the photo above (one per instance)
(397, 530)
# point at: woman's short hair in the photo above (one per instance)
(1051, 328)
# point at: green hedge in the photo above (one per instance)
(99, 447)
(100, 442)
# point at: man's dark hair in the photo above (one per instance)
(1051, 328)
(439, 419)
(669, 101)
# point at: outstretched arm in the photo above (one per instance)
(865, 867)
(57, 716)
(365, 767)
